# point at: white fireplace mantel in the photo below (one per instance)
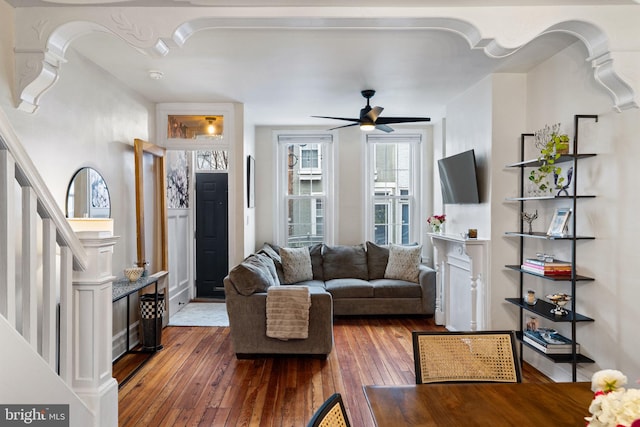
(462, 284)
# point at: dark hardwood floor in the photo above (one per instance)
(196, 379)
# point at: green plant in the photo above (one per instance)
(552, 145)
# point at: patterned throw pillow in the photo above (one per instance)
(296, 263)
(404, 263)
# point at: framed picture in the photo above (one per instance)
(251, 181)
(559, 222)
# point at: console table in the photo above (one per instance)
(462, 268)
(123, 288)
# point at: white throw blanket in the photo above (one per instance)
(288, 312)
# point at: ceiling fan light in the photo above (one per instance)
(367, 127)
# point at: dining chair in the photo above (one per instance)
(331, 414)
(480, 356)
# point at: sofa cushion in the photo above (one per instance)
(316, 261)
(349, 288)
(377, 258)
(404, 263)
(296, 263)
(393, 288)
(344, 262)
(253, 275)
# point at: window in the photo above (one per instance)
(393, 172)
(305, 188)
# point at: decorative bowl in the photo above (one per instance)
(560, 300)
(133, 273)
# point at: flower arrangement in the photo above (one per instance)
(436, 221)
(613, 405)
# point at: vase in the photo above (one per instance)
(438, 229)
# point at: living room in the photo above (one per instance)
(71, 129)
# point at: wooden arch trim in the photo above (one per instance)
(140, 147)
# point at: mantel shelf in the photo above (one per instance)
(534, 163)
(553, 278)
(540, 235)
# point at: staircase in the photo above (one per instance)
(39, 253)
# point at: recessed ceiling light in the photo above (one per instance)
(156, 75)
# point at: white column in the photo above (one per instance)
(92, 377)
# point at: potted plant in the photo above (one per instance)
(552, 145)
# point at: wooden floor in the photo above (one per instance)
(197, 380)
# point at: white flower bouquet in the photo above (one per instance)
(613, 405)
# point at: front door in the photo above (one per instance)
(212, 239)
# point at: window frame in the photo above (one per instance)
(415, 139)
(326, 140)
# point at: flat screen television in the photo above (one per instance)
(458, 178)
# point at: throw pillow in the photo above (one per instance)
(344, 262)
(296, 263)
(404, 263)
(377, 258)
(251, 276)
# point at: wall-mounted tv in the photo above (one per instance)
(458, 179)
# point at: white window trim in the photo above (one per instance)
(280, 139)
(416, 144)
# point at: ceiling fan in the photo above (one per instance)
(370, 117)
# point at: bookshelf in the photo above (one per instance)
(542, 308)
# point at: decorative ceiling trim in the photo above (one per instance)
(38, 69)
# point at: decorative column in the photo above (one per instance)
(92, 376)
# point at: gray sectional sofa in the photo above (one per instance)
(365, 279)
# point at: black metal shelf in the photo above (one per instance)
(543, 309)
(550, 197)
(557, 358)
(566, 278)
(540, 235)
(534, 163)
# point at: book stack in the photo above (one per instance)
(550, 344)
(543, 268)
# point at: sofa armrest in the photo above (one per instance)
(427, 280)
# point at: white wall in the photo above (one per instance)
(468, 126)
(87, 119)
(558, 89)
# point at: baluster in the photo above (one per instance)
(7, 238)
(29, 266)
(49, 292)
(66, 314)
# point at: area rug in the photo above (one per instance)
(201, 314)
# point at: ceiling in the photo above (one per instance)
(285, 75)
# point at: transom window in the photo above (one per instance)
(305, 188)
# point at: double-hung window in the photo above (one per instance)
(305, 188)
(392, 187)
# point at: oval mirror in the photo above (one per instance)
(88, 195)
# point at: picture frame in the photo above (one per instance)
(559, 222)
(251, 182)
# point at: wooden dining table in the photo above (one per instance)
(480, 404)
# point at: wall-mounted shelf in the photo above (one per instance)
(543, 308)
(566, 278)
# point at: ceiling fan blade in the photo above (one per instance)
(338, 118)
(345, 126)
(374, 113)
(384, 128)
(389, 120)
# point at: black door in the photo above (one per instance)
(212, 239)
